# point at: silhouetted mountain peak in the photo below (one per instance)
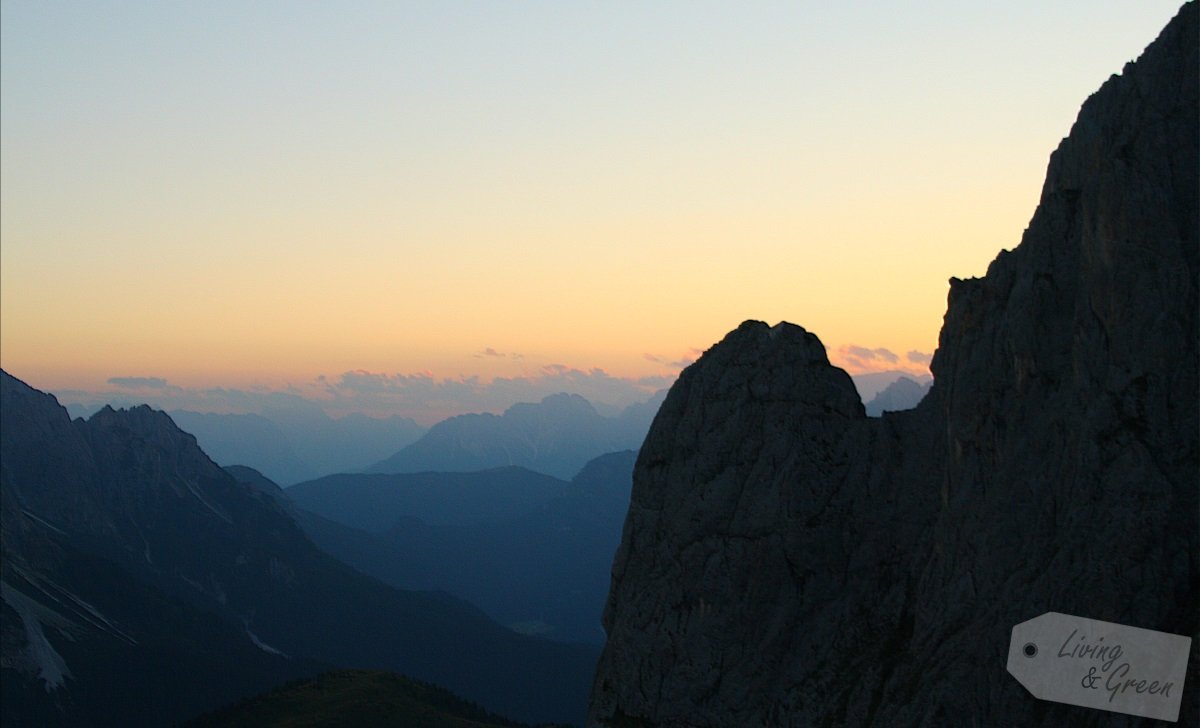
(789, 561)
(902, 394)
(556, 436)
(555, 404)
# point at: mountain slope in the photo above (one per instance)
(84, 642)
(788, 561)
(106, 639)
(135, 494)
(542, 568)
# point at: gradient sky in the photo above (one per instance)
(251, 195)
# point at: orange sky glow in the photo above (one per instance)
(218, 196)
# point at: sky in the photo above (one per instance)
(306, 197)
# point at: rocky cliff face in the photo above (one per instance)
(788, 561)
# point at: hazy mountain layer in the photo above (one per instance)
(556, 436)
(376, 502)
(301, 443)
(902, 394)
(533, 552)
(870, 384)
(788, 561)
(126, 545)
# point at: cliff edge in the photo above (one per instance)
(787, 560)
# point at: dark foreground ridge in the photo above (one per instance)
(360, 698)
(788, 561)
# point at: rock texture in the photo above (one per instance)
(787, 560)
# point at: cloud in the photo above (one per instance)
(864, 360)
(492, 353)
(427, 399)
(422, 396)
(287, 400)
(887, 355)
(361, 381)
(681, 363)
(657, 382)
(862, 353)
(138, 382)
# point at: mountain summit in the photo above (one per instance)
(787, 560)
(556, 436)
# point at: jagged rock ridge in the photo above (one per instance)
(141, 584)
(788, 561)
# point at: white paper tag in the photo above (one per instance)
(1100, 665)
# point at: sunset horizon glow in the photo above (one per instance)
(273, 197)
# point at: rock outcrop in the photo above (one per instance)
(787, 560)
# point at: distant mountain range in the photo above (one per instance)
(556, 436)
(902, 394)
(142, 584)
(532, 551)
(871, 384)
(297, 444)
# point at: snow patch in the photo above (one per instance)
(196, 492)
(263, 645)
(77, 606)
(52, 668)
